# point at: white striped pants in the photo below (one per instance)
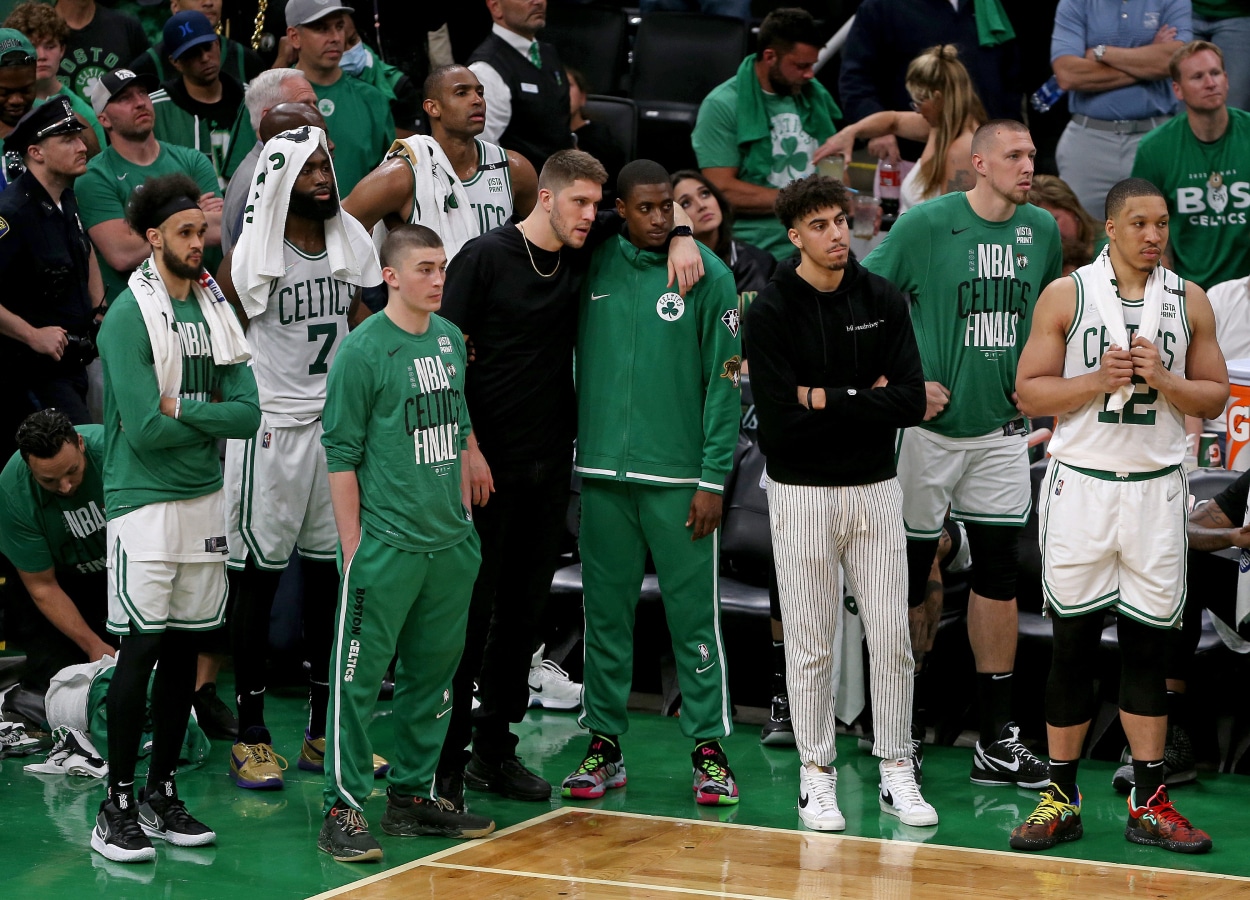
(860, 526)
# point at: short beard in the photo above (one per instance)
(306, 206)
(780, 85)
(177, 267)
(564, 235)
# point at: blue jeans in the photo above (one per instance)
(1232, 36)
(737, 9)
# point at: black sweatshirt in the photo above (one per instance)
(841, 341)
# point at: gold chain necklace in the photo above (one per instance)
(530, 254)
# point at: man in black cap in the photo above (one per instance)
(197, 106)
(53, 292)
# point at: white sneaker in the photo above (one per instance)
(550, 686)
(900, 795)
(818, 799)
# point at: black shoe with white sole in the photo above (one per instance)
(1008, 761)
(117, 834)
(162, 815)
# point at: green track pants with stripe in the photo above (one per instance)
(620, 521)
(416, 604)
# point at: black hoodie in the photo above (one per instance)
(841, 341)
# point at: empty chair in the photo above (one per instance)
(591, 39)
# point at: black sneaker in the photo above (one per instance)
(162, 815)
(509, 778)
(117, 835)
(778, 730)
(917, 751)
(1178, 763)
(451, 788)
(1007, 761)
(411, 816)
(213, 715)
(345, 836)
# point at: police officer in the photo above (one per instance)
(53, 293)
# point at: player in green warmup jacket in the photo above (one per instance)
(658, 405)
(395, 425)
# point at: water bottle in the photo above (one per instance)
(891, 183)
(1047, 95)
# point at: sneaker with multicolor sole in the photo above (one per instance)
(602, 770)
(714, 783)
(1055, 820)
(1158, 824)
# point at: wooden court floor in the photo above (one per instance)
(589, 853)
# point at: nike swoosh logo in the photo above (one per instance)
(803, 801)
(594, 296)
(396, 350)
(443, 713)
(960, 230)
(151, 823)
(122, 177)
(1002, 763)
(705, 668)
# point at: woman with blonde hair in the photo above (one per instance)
(1077, 228)
(946, 111)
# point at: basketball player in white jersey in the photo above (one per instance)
(498, 182)
(278, 488)
(1120, 352)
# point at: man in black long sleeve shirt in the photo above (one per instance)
(835, 371)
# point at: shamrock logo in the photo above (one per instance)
(790, 158)
(670, 307)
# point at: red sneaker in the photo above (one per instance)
(1158, 824)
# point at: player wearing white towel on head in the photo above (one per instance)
(278, 487)
(1120, 352)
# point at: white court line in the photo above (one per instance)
(434, 859)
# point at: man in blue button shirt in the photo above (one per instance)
(1112, 56)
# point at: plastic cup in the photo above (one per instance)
(865, 216)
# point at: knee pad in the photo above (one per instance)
(995, 559)
(1143, 688)
(920, 556)
(1070, 685)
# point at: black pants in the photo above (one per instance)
(20, 396)
(47, 649)
(520, 529)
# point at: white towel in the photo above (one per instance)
(257, 259)
(73, 754)
(1102, 289)
(439, 200)
(229, 344)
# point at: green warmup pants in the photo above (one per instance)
(417, 604)
(620, 520)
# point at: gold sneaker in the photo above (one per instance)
(312, 757)
(256, 766)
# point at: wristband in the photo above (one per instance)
(178, 408)
(809, 398)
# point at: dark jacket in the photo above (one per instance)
(540, 99)
(841, 341)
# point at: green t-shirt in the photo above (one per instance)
(83, 108)
(973, 286)
(716, 145)
(358, 119)
(151, 457)
(40, 530)
(103, 190)
(1207, 187)
(395, 414)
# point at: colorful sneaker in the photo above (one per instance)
(1178, 763)
(253, 763)
(602, 770)
(1007, 761)
(1158, 824)
(778, 730)
(714, 783)
(312, 757)
(407, 816)
(117, 834)
(550, 686)
(818, 799)
(345, 836)
(162, 815)
(900, 795)
(1055, 820)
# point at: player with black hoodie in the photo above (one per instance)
(835, 372)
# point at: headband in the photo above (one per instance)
(171, 207)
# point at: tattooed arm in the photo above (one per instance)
(1210, 529)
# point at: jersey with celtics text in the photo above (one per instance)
(1148, 433)
(973, 285)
